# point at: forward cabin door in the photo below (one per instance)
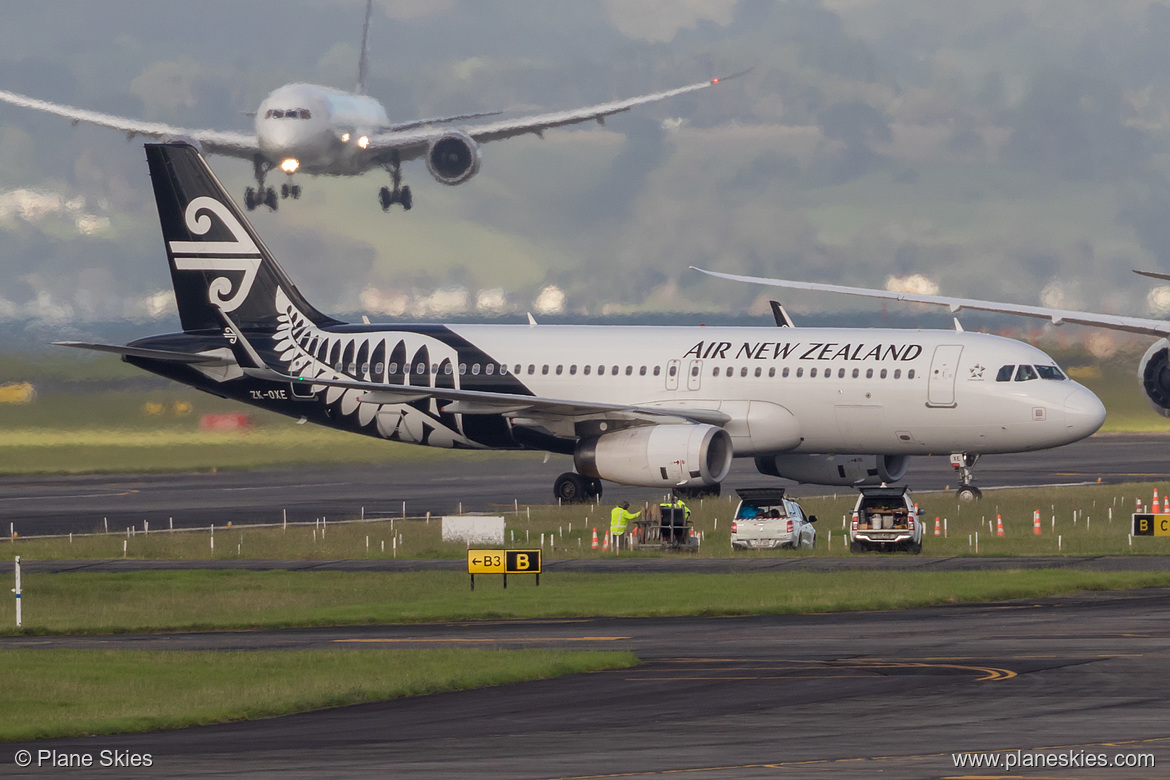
(695, 375)
(940, 389)
(672, 369)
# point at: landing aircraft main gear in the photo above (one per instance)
(571, 488)
(965, 465)
(290, 191)
(262, 195)
(707, 491)
(388, 197)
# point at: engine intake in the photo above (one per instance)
(658, 456)
(453, 158)
(835, 469)
(1154, 374)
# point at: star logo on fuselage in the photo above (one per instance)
(977, 371)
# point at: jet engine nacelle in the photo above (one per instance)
(453, 158)
(835, 469)
(1154, 374)
(658, 456)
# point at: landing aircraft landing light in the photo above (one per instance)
(290, 165)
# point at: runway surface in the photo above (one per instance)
(47, 505)
(854, 695)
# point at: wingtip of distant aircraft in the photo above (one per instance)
(735, 75)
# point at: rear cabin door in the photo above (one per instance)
(941, 384)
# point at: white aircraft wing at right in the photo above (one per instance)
(413, 143)
(230, 144)
(1149, 327)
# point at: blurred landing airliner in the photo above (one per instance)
(324, 131)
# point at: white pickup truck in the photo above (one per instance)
(885, 518)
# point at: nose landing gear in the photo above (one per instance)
(964, 464)
(262, 196)
(387, 197)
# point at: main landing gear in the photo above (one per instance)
(261, 196)
(571, 488)
(707, 491)
(388, 197)
(965, 465)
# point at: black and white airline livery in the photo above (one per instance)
(652, 406)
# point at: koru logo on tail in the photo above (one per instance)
(241, 255)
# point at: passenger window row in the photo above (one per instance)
(488, 369)
(812, 372)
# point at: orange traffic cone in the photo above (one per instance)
(937, 527)
(594, 545)
(998, 525)
(1036, 522)
(1156, 505)
(605, 543)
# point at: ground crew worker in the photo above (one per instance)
(668, 507)
(618, 519)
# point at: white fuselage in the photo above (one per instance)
(321, 128)
(807, 390)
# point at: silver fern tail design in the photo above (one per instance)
(383, 357)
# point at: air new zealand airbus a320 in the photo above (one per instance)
(654, 406)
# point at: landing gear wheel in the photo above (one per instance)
(969, 494)
(250, 199)
(594, 488)
(284, 191)
(385, 198)
(706, 491)
(270, 199)
(571, 488)
(406, 199)
(295, 190)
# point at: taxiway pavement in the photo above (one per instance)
(854, 695)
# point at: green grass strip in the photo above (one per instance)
(59, 693)
(198, 600)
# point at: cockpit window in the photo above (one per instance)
(292, 113)
(1005, 374)
(1049, 372)
(1025, 373)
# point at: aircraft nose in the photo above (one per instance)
(1084, 413)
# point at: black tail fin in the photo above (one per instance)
(364, 57)
(219, 266)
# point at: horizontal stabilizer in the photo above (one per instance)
(152, 354)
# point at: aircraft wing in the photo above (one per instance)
(213, 141)
(1148, 327)
(413, 144)
(437, 120)
(481, 402)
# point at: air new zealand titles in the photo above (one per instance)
(665, 407)
(818, 350)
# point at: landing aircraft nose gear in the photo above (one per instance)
(965, 465)
(571, 488)
(399, 194)
(262, 195)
